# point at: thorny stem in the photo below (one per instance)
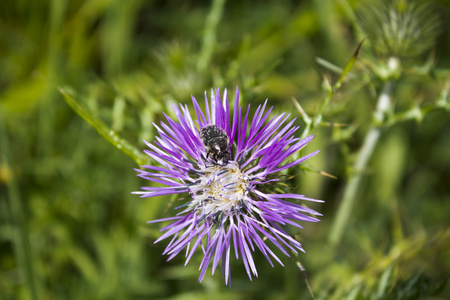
(370, 142)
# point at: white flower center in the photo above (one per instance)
(221, 189)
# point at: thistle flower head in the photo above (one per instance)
(399, 28)
(225, 162)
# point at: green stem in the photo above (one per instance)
(370, 142)
(21, 242)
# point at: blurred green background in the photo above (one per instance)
(69, 227)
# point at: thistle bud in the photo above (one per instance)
(399, 28)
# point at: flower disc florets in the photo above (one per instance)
(220, 190)
(227, 164)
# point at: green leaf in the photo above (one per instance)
(109, 134)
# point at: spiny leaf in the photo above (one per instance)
(110, 135)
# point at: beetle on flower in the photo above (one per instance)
(229, 207)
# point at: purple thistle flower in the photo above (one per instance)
(229, 206)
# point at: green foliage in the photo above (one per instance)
(108, 133)
(69, 227)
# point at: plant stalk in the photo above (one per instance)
(363, 158)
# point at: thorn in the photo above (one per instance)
(304, 115)
(327, 174)
(359, 47)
